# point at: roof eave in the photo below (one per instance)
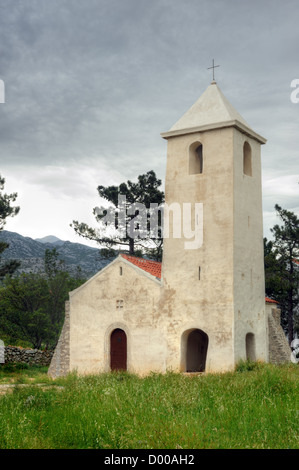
(140, 270)
(220, 125)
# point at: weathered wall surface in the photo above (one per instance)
(190, 300)
(115, 298)
(249, 283)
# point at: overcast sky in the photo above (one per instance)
(90, 85)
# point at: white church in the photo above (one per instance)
(200, 310)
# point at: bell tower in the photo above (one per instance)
(213, 268)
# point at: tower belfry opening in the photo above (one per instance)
(196, 159)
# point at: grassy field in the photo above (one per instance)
(254, 407)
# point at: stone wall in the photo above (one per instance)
(60, 362)
(27, 356)
(279, 349)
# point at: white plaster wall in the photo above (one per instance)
(206, 304)
(249, 283)
(94, 315)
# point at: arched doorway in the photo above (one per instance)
(250, 347)
(118, 350)
(196, 351)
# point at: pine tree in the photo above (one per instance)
(281, 269)
(6, 210)
(127, 221)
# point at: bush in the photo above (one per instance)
(248, 365)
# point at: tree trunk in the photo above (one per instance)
(131, 246)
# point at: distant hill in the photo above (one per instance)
(50, 239)
(31, 253)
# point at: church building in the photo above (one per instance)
(203, 308)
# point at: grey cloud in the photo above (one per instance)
(97, 81)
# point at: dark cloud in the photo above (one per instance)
(94, 83)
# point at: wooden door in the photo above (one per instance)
(118, 350)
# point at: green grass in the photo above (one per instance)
(23, 373)
(254, 407)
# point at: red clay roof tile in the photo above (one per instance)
(271, 301)
(151, 267)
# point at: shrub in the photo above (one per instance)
(248, 365)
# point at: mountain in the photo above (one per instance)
(50, 239)
(31, 253)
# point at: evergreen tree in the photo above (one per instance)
(32, 305)
(6, 210)
(126, 223)
(281, 269)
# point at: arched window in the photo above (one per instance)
(247, 164)
(250, 347)
(195, 158)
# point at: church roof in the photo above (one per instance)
(271, 301)
(155, 268)
(212, 110)
(151, 267)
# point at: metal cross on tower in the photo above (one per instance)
(213, 67)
